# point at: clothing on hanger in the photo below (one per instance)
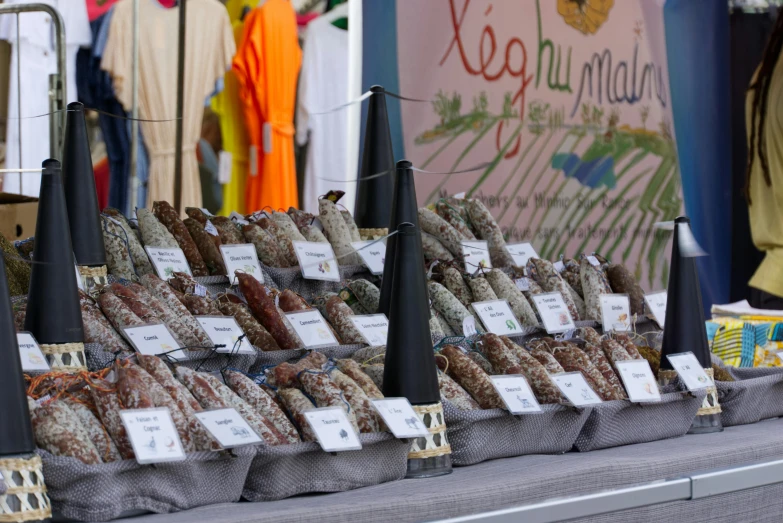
(323, 84)
(209, 50)
(38, 59)
(267, 66)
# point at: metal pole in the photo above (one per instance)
(180, 105)
(134, 179)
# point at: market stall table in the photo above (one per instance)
(525, 480)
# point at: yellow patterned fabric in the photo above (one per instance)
(746, 341)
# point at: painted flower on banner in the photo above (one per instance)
(586, 16)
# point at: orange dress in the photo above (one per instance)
(266, 66)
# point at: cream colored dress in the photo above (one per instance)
(209, 49)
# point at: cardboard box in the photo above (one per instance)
(18, 215)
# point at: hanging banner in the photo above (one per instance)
(570, 103)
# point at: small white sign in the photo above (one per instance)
(332, 429)
(317, 261)
(153, 340)
(615, 312)
(594, 261)
(241, 257)
(469, 326)
(206, 211)
(497, 317)
(228, 428)
(153, 436)
(400, 417)
(30, 353)
(639, 380)
(224, 167)
(476, 255)
(690, 370)
(656, 303)
(167, 261)
(79, 280)
(312, 328)
(516, 393)
(224, 330)
(237, 218)
(459, 196)
(521, 253)
(559, 266)
(523, 284)
(373, 257)
(374, 328)
(575, 388)
(211, 229)
(554, 312)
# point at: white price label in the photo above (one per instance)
(459, 196)
(224, 330)
(312, 329)
(400, 417)
(469, 326)
(656, 303)
(575, 388)
(241, 257)
(228, 428)
(523, 284)
(153, 436)
(238, 218)
(521, 253)
(153, 340)
(211, 229)
(332, 429)
(554, 312)
(476, 255)
(615, 312)
(690, 370)
(374, 328)
(373, 256)
(317, 261)
(559, 266)
(497, 317)
(30, 353)
(639, 380)
(516, 393)
(167, 261)
(593, 261)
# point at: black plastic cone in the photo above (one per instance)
(685, 328)
(53, 311)
(410, 369)
(405, 209)
(373, 196)
(80, 194)
(16, 433)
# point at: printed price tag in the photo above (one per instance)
(497, 317)
(639, 381)
(228, 428)
(476, 254)
(554, 312)
(317, 261)
(690, 370)
(559, 266)
(575, 388)
(373, 257)
(153, 436)
(167, 261)
(468, 326)
(521, 253)
(224, 167)
(211, 229)
(237, 218)
(516, 393)
(332, 429)
(200, 290)
(400, 417)
(523, 284)
(460, 196)
(312, 329)
(615, 312)
(593, 261)
(241, 257)
(656, 304)
(374, 328)
(30, 353)
(153, 340)
(224, 330)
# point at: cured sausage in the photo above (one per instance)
(174, 323)
(118, 260)
(256, 333)
(433, 249)
(454, 218)
(339, 315)
(290, 301)
(326, 393)
(200, 306)
(594, 284)
(139, 256)
(354, 371)
(614, 352)
(628, 344)
(227, 230)
(543, 387)
(547, 360)
(481, 289)
(153, 233)
(94, 429)
(284, 242)
(285, 375)
(455, 283)
(598, 358)
(266, 246)
(134, 303)
(97, 329)
(166, 215)
(544, 273)
(58, 430)
(439, 228)
(196, 214)
(210, 253)
(574, 360)
(450, 307)
(119, 314)
(296, 403)
(488, 230)
(168, 298)
(161, 373)
(337, 232)
(503, 360)
(505, 289)
(287, 226)
(367, 418)
(622, 281)
(368, 294)
(107, 403)
(263, 307)
(454, 394)
(353, 229)
(264, 405)
(472, 378)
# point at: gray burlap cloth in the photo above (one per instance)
(480, 435)
(109, 490)
(301, 468)
(757, 394)
(620, 422)
(291, 278)
(270, 358)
